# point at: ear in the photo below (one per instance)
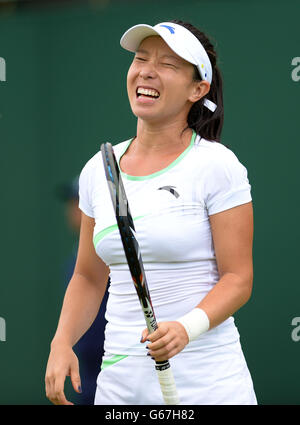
(199, 90)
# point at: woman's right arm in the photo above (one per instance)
(80, 308)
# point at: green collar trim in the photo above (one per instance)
(164, 170)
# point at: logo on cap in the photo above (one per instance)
(171, 29)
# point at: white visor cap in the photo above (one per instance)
(180, 40)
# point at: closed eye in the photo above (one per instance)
(169, 64)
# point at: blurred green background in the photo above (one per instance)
(65, 94)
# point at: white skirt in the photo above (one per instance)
(212, 376)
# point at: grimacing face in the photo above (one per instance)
(160, 83)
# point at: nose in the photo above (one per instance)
(148, 71)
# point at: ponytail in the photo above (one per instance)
(206, 123)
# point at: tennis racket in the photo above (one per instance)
(135, 263)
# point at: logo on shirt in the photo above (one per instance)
(170, 189)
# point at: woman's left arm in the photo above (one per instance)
(232, 232)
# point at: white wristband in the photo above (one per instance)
(195, 323)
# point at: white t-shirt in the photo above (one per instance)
(171, 210)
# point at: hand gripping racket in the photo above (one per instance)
(134, 260)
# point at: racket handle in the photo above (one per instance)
(167, 383)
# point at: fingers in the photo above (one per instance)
(145, 334)
(166, 355)
(55, 389)
(59, 395)
(165, 352)
(75, 378)
(162, 336)
(167, 341)
(62, 362)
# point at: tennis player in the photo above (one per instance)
(191, 203)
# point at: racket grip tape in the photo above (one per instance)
(167, 384)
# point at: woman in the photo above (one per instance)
(191, 203)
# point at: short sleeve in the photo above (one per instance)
(85, 190)
(227, 183)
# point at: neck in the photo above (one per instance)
(161, 139)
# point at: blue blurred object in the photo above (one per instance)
(68, 191)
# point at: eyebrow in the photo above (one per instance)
(166, 56)
(171, 57)
(142, 51)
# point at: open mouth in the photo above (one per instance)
(147, 93)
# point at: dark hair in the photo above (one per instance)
(206, 123)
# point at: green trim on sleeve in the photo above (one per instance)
(103, 233)
(110, 229)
